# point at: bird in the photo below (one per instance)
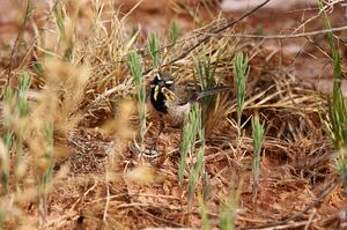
(175, 101)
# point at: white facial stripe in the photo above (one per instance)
(156, 91)
(169, 82)
(158, 76)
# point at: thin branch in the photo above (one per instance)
(282, 36)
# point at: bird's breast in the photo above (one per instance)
(178, 112)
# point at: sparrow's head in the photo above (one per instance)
(162, 87)
(162, 80)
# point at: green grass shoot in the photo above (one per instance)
(15, 100)
(193, 131)
(7, 139)
(197, 169)
(337, 105)
(191, 128)
(61, 20)
(153, 44)
(136, 71)
(241, 70)
(258, 137)
(206, 74)
(175, 32)
(24, 86)
(203, 210)
(228, 209)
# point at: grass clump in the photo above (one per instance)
(206, 74)
(241, 70)
(153, 45)
(136, 71)
(228, 209)
(174, 33)
(196, 173)
(337, 105)
(46, 176)
(258, 137)
(192, 127)
(203, 210)
(193, 133)
(16, 107)
(66, 29)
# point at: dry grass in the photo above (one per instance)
(71, 164)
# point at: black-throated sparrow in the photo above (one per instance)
(175, 101)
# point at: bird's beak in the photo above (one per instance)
(156, 91)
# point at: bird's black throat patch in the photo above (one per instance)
(159, 82)
(159, 104)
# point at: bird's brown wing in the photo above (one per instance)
(184, 94)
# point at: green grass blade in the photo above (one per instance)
(258, 137)
(136, 71)
(175, 32)
(229, 208)
(153, 44)
(337, 105)
(191, 128)
(24, 86)
(241, 70)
